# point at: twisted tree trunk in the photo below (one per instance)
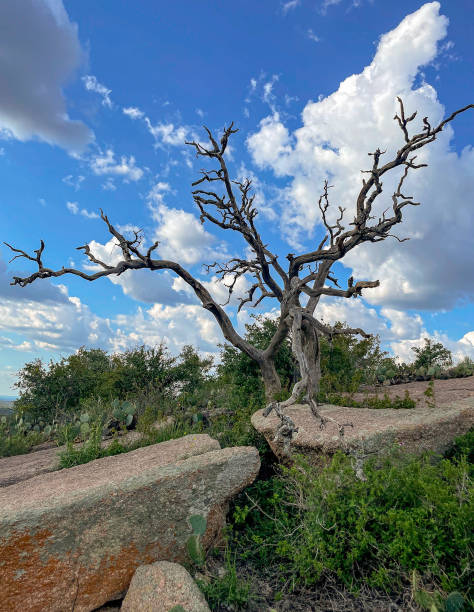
(271, 379)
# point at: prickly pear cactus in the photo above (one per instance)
(454, 602)
(195, 550)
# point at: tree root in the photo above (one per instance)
(287, 428)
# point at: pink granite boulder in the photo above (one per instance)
(72, 539)
(162, 586)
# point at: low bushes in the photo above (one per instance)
(375, 403)
(411, 517)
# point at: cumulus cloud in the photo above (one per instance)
(182, 237)
(142, 285)
(92, 84)
(105, 163)
(40, 52)
(336, 134)
(180, 234)
(46, 318)
(176, 326)
(55, 329)
(63, 326)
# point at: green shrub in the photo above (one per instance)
(408, 515)
(463, 445)
(229, 589)
(431, 354)
(434, 601)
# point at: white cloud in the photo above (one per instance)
(54, 326)
(92, 84)
(109, 185)
(398, 330)
(180, 234)
(164, 133)
(104, 164)
(10, 344)
(312, 36)
(459, 348)
(40, 52)
(89, 214)
(133, 112)
(174, 325)
(271, 146)
(336, 134)
(74, 182)
(168, 133)
(73, 208)
(183, 238)
(268, 95)
(327, 3)
(290, 5)
(156, 194)
(142, 285)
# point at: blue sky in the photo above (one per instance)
(97, 99)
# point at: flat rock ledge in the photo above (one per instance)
(163, 586)
(374, 431)
(72, 539)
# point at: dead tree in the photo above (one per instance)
(229, 204)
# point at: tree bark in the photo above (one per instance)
(271, 380)
(312, 359)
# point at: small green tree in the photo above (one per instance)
(141, 368)
(46, 392)
(347, 361)
(192, 370)
(432, 353)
